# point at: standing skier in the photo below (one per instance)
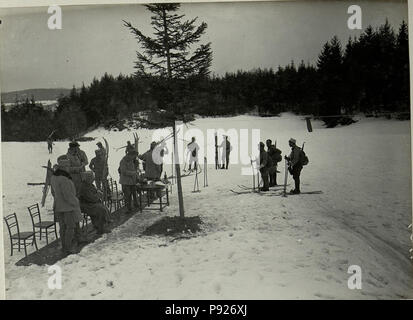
(276, 157)
(264, 166)
(294, 164)
(193, 149)
(50, 145)
(226, 150)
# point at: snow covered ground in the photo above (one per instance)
(252, 246)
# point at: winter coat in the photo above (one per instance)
(193, 149)
(78, 161)
(128, 174)
(129, 148)
(102, 152)
(226, 146)
(275, 154)
(91, 205)
(152, 169)
(64, 194)
(265, 160)
(295, 156)
(97, 165)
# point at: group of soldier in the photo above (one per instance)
(74, 192)
(268, 163)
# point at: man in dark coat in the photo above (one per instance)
(129, 179)
(153, 162)
(295, 166)
(226, 150)
(264, 166)
(275, 155)
(101, 149)
(50, 145)
(91, 203)
(97, 165)
(129, 147)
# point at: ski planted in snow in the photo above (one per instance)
(49, 173)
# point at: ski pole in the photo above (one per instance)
(285, 178)
(253, 175)
(196, 184)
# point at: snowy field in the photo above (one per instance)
(252, 246)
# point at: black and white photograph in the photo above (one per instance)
(212, 150)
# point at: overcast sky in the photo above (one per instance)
(243, 35)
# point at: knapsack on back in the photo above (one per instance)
(277, 155)
(303, 158)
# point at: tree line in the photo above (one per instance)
(369, 74)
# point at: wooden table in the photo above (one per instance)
(151, 189)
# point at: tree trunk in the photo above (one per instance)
(178, 175)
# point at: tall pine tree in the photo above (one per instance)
(170, 54)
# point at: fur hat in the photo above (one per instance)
(292, 140)
(63, 162)
(74, 144)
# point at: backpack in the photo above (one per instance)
(277, 155)
(194, 153)
(303, 158)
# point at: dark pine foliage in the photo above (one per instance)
(369, 74)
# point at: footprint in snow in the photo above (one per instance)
(179, 277)
(217, 288)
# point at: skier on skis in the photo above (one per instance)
(50, 145)
(264, 166)
(294, 164)
(193, 149)
(226, 150)
(276, 157)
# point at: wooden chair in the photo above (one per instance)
(17, 237)
(85, 220)
(45, 227)
(119, 200)
(116, 196)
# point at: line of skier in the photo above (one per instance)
(268, 164)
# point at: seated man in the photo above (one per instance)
(90, 203)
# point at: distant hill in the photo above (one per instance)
(38, 94)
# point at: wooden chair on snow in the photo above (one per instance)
(40, 226)
(17, 238)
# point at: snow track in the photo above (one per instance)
(251, 247)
